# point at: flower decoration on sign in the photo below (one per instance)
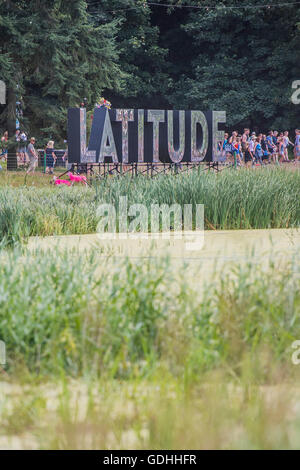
(103, 102)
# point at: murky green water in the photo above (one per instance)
(220, 251)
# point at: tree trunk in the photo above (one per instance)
(12, 163)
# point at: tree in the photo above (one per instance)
(7, 75)
(243, 60)
(141, 56)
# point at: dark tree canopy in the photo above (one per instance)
(56, 56)
(248, 61)
(242, 60)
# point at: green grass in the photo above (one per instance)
(161, 414)
(65, 314)
(121, 354)
(267, 198)
(38, 179)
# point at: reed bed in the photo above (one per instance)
(125, 355)
(268, 198)
(136, 360)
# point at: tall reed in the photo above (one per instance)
(64, 313)
(268, 198)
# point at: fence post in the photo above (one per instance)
(12, 162)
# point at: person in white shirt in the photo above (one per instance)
(286, 143)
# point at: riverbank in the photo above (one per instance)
(232, 200)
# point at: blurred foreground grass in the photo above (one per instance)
(161, 413)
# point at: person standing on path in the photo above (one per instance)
(50, 157)
(33, 156)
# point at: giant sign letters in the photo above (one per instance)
(144, 136)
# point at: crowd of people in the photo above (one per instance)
(250, 149)
(26, 152)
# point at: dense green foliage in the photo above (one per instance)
(248, 60)
(268, 198)
(242, 60)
